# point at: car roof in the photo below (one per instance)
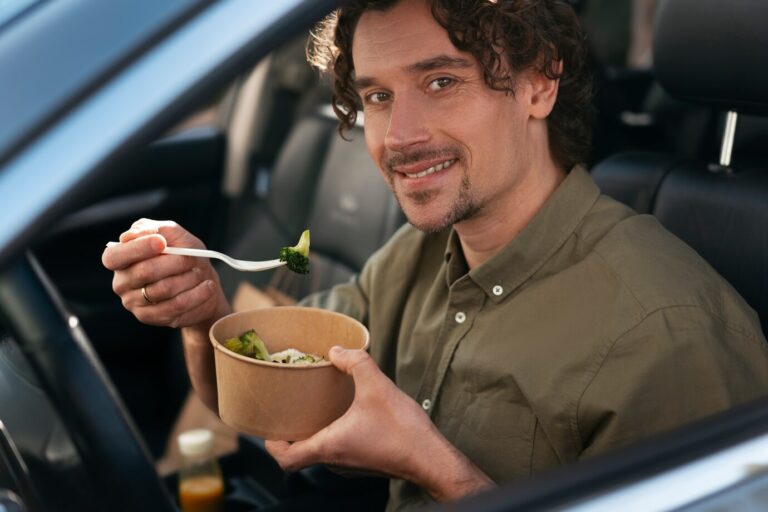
(56, 52)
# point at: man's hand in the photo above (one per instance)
(384, 431)
(165, 290)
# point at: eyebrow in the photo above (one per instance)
(441, 61)
(438, 62)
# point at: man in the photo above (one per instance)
(523, 320)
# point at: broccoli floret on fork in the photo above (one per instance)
(297, 257)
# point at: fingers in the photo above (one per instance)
(171, 231)
(277, 449)
(292, 456)
(180, 310)
(164, 289)
(161, 289)
(128, 253)
(147, 238)
(144, 227)
(354, 362)
(154, 270)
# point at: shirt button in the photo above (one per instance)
(460, 317)
(498, 290)
(426, 404)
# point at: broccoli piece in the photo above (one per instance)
(297, 257)
(249, 345)
(235, 345)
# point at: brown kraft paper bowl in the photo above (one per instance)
(284, 401)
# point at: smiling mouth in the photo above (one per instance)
(435, 168)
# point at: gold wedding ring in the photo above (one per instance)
(146, 297)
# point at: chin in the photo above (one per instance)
(429, 228)
(429, 214)
(428, 224)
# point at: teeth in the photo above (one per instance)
(434, 168)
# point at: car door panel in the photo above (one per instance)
(175, 178)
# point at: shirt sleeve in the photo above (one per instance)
(347, 298)
(677, 365)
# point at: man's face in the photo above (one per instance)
(451, 148)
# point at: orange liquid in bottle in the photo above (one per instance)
(202, 494)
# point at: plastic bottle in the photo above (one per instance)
(201, 486)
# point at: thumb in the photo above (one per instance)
(354, 362)
(276, 448)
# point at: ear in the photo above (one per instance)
(544, 92)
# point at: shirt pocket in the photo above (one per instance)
(497, 436)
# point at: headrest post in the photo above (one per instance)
(728, 135)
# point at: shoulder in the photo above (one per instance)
(660, 271)
(678, 365)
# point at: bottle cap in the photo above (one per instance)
(195, 442)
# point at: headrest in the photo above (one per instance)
(297, 171)
(353, 210)
(332, 187)
(633, 177)
(714, 52)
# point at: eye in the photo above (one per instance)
(440, 83)
(376, 97)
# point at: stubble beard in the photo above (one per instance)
(463, 207)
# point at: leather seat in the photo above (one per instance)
(330, 186)
(633, 178)
(710, 53)
(724, 216)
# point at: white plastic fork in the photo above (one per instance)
(244, 265)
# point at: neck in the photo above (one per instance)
(485, 234)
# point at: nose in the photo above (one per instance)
(408, 124)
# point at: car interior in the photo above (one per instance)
(677, 136)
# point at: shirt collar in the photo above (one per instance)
(535, 244)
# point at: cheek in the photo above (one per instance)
(374, 138)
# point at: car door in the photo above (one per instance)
(88, 94)
(177, 177)
(59, 54)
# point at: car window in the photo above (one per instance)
(9, 9)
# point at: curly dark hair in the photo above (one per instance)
(505, 36)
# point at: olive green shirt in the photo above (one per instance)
(594, 327)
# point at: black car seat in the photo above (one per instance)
(266, 104)
(330, 186)
(710, 53)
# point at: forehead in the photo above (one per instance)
(397, 37)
